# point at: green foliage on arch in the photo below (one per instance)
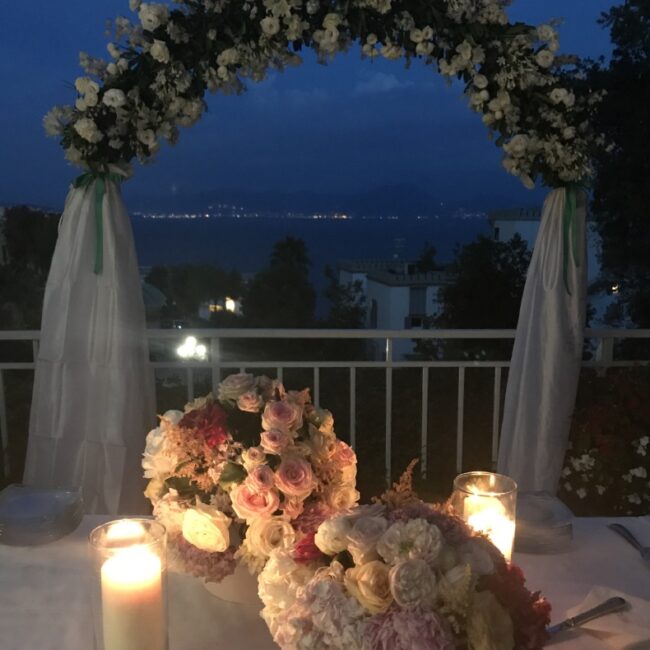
(162, 65)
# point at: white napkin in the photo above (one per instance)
(626, 630)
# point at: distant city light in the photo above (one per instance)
(231, 306)
(192, 349)
(616, 288)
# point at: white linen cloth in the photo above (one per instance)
(547, 353)
(626, 630)
(44, 602)
(93, 394)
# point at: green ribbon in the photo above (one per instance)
(570, 231)
(85, 181)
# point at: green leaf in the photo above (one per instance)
(183, 485)
(232, 473)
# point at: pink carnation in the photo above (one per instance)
(275, 441)
(295, 477)
(306, 550)
(248, 504)
(408, 629)
(285, 415)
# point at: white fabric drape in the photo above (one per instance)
(547, 353)
(93, 391)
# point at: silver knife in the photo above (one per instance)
(610, 606)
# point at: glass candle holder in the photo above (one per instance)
(488, 502)
(129, 589)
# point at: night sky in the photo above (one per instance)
(350, 126)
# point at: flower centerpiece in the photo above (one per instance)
(238, 475)
(399, 575)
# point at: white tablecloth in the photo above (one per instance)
(44, 602)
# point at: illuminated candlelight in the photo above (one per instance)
(487, 501)
(129, 598)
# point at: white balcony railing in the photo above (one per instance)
(603, 357)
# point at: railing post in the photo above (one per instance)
(604, 355)
(496, 416)
(460, 419)
(316, 386)
(425, 419)
(214, 363)
(4, 427)
(353, 407)
(389, 410)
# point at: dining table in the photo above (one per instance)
(45, 603)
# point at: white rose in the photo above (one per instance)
(206, 528)
(331, 21)
(477, 557)
(332, 535)
(86, 85)
(147, 137)
(546, 33)
(270, 25)
(370, 585)
(114, 97)
(544, 58)
(158, 460)
(363, 538)
(465, 51)
(153, 16)
(517, 146)
(235, 385)
(267, 535)
(159, 51)
(88, 130)
(342, 497)
(480, 81)
(416, 538)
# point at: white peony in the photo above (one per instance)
(412, 583)
(416, 538)
(206, 528)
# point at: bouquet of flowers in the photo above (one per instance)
(607, 465)
(252, 470)
(399, 575)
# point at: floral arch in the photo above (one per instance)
(531, 99)
(162, 65)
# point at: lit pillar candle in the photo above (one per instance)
(133, 609)
(487, 515)
(487, 502)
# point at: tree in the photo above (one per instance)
(489, 279)
(281, 295)
(427, 260)
(30, 237)
(347, 302)
(621, 200)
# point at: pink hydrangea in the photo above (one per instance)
(408, 629)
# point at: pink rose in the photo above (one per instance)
(261, 478)
(344, 454)
(275, 441)
(251, 402)
(295, 477)
(285, 415)
(249, 504)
